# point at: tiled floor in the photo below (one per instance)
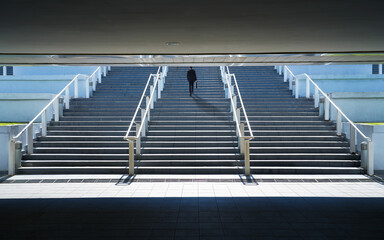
(200, 209)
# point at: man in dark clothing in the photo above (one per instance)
(191, 76)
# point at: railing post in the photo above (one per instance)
(321, 106)
(380, 68)
(44, 123)
(296, 88)
(30, 139)
(236, 116)
(76, 87)
(326, 109)
(18, 154)
(147, 101)
(364, 155)
(11, 157)
(229, 77)
(316, 97)
(247, 164)
(138, 139)
(5, 70)
(131, 164)
(234, 99)
(151, 96)
(226, 91)
(159, 89)
(241, 139)
(105, 71)
(307, 88)
(99, 74)
(280, 68)
(87, 87)
(66, 98)
(352, 139)
(290, 79)
(56, 110)
(338, 124)
(285, 74)
(109, 68)
(371, 163)
(143, 122)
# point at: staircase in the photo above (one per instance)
(290, 136)
(192, 135)
(89, 136)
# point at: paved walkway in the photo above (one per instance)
(191, 207)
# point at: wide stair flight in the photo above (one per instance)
(290, 136)
(192, 134)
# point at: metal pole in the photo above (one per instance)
(131, 158)
(138, 140)
(76, 88)
(99, 75)
(105, 71)
(317, 98)
(307, 88)
(18, 154)
(297, 88)
(57, 110)
(326, 109)
(247, 165)
(4, 70)
(30, 139)
(143, 121)
(238, 118)
(66, 98)
(146, 104)
(152, 97)
(285, 74)
(290, 79)
(352, 139)
(87, 88)
(371, 163)
(44, 123)
(380, 68)
(241, 139)
(11, 158)
(338, 125)
(364, 155)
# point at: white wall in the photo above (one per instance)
(52, 70)
(331, 69)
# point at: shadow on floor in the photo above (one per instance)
(193, 218)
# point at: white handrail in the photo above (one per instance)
(141, 127)
(241, 103)
(126, 137)
(334, 105)
(243, 140)
(367, 148)
(42, 113)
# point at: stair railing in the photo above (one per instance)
(367, 157)
(141, 127)
(15, 147)
(243, 140)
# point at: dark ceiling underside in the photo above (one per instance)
(113, 31)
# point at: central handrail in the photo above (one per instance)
(155, 92)
(243, 140)
(242, 104)
(139, 105)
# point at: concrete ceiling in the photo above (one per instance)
(84, 31)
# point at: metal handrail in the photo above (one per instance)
(367, 157)
(45, 108)
(242, 105)
(334, 105)
(145, 115)
(126, 137)
(243, 140)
